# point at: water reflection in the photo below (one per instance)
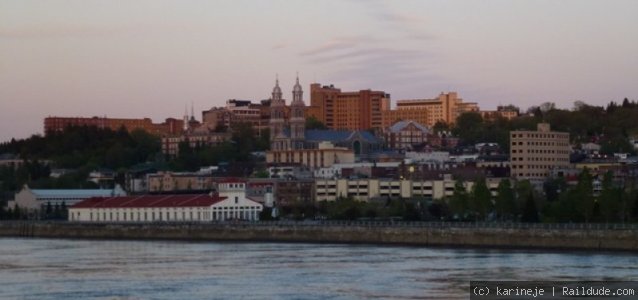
(85, 269)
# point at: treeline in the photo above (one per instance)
(79, 146)
(244, 141)
(49, 212)
(80, 149)
(83, 149)
(610, 126)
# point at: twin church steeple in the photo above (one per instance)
(289, 137)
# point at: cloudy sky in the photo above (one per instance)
(151, 58)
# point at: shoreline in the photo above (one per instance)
(559, 240)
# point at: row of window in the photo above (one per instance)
(540, 135)
(250, 214)
(531, 175)
(533, 166)
(544, 151)
(533, 143)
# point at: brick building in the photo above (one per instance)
(347, 110)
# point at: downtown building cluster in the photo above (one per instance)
(366, 151)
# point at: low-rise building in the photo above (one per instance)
(34, 200)
(201, 136)
(371, 189)
(406, 135)
(230, 204)
(179, 181)
(324, 156)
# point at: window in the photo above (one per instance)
(236, 199)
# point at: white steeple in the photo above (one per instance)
(297, 92)
(185, 117)
(276, 91)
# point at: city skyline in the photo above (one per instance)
(149, 58)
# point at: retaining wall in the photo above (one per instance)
(529, 238)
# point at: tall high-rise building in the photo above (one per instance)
(534, 153)
(339, 110)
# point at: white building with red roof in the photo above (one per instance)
(230, 204)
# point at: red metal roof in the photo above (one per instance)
(197, 200)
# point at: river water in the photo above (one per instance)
(97, 269)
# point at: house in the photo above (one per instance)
(230, 203)
(406, 135)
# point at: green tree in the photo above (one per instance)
(583, 196)
(344, 208)
(469, 127)
(481, 202)
(57, 212)
(505, 201)
(460, 202)
(522, 188)
(314, 123)
(530, 212)
(64, 211)
(610, 199)
(17, 213)
(440, 126)
(48, 211)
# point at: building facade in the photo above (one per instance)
(179, 181)
(381, 189)
(445, 108)
(324, 156)
(505, 112)
(257, 115)
(347, 110)
(290, 143)
(230, 204)
(168, 127)
(406, 135)
(201, 136)
(533, 154)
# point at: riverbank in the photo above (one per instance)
(586, 238)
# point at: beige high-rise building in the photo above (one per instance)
(534, 153)
(445, 108)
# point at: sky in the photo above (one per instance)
(134, 59)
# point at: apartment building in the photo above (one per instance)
(372, 188)
(533, 154)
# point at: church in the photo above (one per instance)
(291, 143)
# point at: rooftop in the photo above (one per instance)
(77, 193)
(398, 126)
(338, 135)
(150, 201)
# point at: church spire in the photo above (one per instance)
(297, 92)
(276, 91)
(185, 117)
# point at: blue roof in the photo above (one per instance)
(338, 135)
(78, 193)
(398, 126)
